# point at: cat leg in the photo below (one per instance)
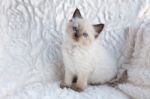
(67, 81)
(81, 83)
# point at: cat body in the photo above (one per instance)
(84, 58)
(93, 60)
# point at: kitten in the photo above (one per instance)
(85, 60)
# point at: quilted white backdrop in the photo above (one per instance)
(31, 33)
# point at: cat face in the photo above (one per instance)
(81, 31)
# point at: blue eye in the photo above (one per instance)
(75, 29)
(85, 34)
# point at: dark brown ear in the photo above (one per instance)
(77, 14)
(98, 28)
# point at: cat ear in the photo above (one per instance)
(98, 28)
(77, 14)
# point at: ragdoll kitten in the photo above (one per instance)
(85, 60)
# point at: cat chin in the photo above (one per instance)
(80, 42)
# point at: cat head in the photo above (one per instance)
(80, 31)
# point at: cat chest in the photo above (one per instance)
(78, 58)
(78, 55)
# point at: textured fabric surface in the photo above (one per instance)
(137, 55)
(31, 32)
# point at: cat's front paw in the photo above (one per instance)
(63, 85)
(77, 88)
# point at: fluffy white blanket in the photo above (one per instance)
(31, 32)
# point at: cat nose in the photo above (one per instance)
(76, 35)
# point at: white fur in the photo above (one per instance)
(88, 59)
(94, 59)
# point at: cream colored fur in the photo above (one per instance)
(86, 59)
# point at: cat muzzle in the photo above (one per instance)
(76, 35)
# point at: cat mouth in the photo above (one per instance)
(76, 38)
